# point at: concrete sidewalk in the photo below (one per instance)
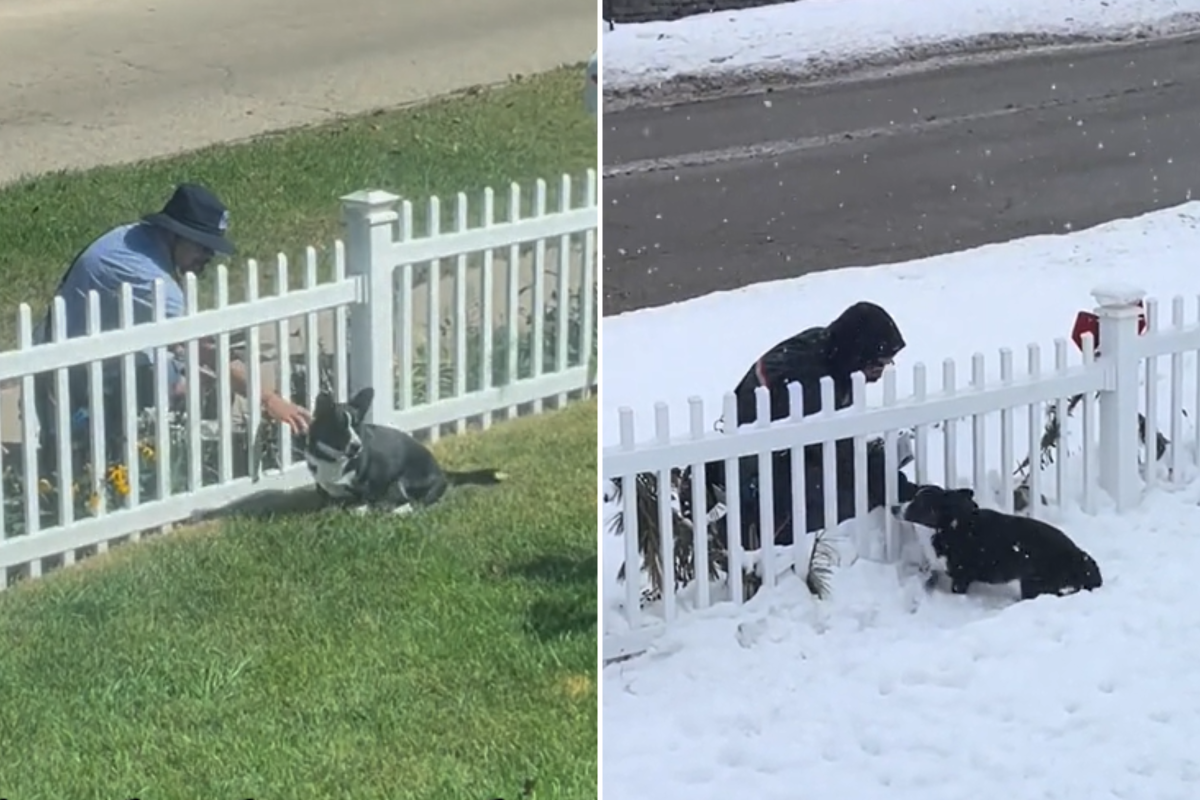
(88, 82)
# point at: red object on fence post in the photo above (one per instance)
(1087, 322)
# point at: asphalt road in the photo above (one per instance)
(717, 195)
(85, 82)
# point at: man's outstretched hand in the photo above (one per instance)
(280, 409)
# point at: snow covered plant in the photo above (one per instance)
(1053, 435)
(822, 558)
(650, 538)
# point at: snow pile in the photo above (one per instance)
(888, 692)
(818, 37)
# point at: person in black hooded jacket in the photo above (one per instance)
(864, 338)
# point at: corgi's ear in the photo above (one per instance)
(325, 405)
(360, 404)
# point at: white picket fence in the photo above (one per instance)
(1116, 382)
(488, 319)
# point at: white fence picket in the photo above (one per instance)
(828, 458)
(950, 428)
(766, 490)
(633, 558)
(1060, 413)
(29, 425)
(1087, 457)
(796, 455)
(589, 275)
(539, 291)
(162, 411)
(514, 289)
(283, 335)
(128, 401)
(662, 432)
(978, 428)
(62, 417)
(224, 389)
(1150, 367)
(341, 323)
(1006, 435)
(921, 432)
(312, 332)
(487, 304)
(461, 223)
(96, 412)
(404, 311)
(433, 344)
(563, 299)
(733, 505)
(859, 403)
(191, 292)
(1036, 414)
(1195, 350)
(389, 257)
(699, 501)
(1177, 323)
(890, 468)
(253, 369)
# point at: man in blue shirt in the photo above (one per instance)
(181, 238)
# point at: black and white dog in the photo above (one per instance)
(373, 466)
(976, 545)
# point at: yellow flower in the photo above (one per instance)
(146, 451)
(118, 476)
(94, 503)
(45, 487)
(577, 686)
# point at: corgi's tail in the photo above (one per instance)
(477, 477)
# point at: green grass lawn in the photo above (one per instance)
(283, 190)
(448, 654)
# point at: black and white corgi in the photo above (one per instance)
(977, 545)
(369, 466)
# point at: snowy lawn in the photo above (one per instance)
(885, 691)
(815, 36)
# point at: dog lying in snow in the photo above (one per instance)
(970, 544)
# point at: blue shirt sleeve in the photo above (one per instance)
(104, 269)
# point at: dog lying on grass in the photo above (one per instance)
(367, 466)
(976, 545)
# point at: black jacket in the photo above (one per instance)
(862, 335)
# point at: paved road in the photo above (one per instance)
(716, 195)
(85, 82)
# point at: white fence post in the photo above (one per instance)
(1118, 310)
(370, 218)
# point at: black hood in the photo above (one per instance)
(863, 334)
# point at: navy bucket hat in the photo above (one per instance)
(197, 215)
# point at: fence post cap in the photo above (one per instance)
(1118, 295)
(370, 200)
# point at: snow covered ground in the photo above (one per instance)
(885, 691)
(815, 36)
